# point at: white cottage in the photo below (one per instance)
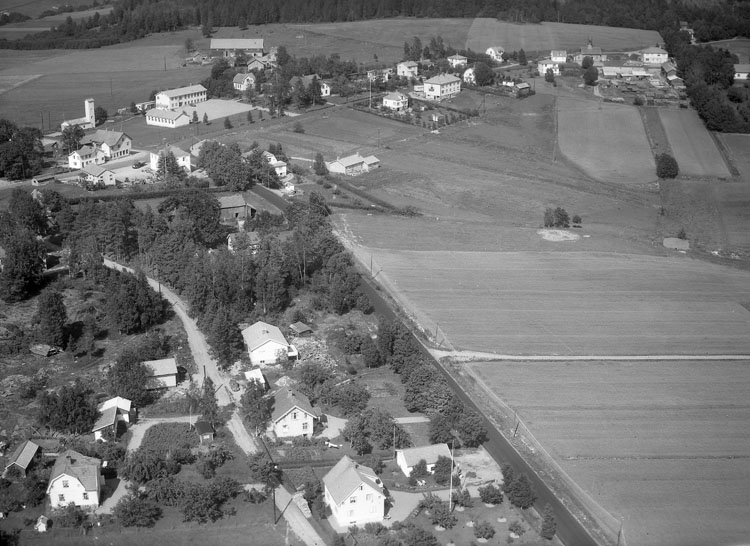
(75, 479)
(292, 414)
(406, 459)
(266, 345)
(354, 493)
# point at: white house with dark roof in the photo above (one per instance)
(84, 156)
(75, 479)
(114, 144)
(182, 96)
(354, 493)
(406, 459)
(243, 82)
(98, 175)
(457, 60)
(160, 117)
(495, 53)
(596, 53)
(22, 457)
(407, 69)
(396, 102)
(183, 158)
(266, 345)
(231, 47)
(111, 412)
(292, 414)
(162, 373)
(654, 55)
(444, 86)
(742, 72)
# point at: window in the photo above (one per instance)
(294, 415)
(304, 426)
(61, 498)
(85, 496)
(369, 497)
(66, 483)
(352, 500)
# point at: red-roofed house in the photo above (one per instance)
(75, 479)
(354, 493)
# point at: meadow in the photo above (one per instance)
(738, 46)
(661, 445)
(607, 141)
(692, 145)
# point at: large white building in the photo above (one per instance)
(182, 96)
(654, 55)
(86, 122)
(231, 47)
(442, 87)
(548, 64)
(170, 119)
(114, 144)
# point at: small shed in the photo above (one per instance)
(41, 524)
(300, 329)
(205, 432)
(22, 457)
(257, 375)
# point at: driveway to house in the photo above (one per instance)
(297, 521)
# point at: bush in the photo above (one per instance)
(562, 220)
(491, 494)
(577, 221)
(136, 511)
(69, 516)
(419, 470)
(442, 516)
(484, 530)
(681, 234)
(549, 218)
(517, 528)
(168, 437)
(549, 524)
(666, 166)
(298, 127)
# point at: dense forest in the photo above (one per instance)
(133, 19)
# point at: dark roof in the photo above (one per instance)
(203, 427)
(23, 454)
(85, 469)
(300, 328)
(285, 400)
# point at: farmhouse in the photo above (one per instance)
(114, 144)
(549, 64)
(407, 69)
(354, 493)
(353, 165)
(162, 373)
(279, 166)
(292, 414)
(205, 432)
(267, 345)
(234, 208)
(396, 102)
(457, 60)
(231, 47)
(183, 158)
(182, 96)
(495, 53)
(668, 69)
(22, 457)
(243, 82)
(85, 156)
(654, 55)
(558, 55)
(111, 412)
(590, 51)
(160, 117)
(325, 89)
(442, 87)
(742, 72)
(86, 122)
(244, 240)
(75, 479)
(406, 459)
(255, 64)
(469, 77)
(98, 175)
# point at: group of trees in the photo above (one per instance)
(374, 428)
(21, 151)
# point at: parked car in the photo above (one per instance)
(138, 164)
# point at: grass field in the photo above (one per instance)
(574, 303)
(738, 46)
(35, 7)
(661, 445)
(19, 30)
(692, 145)
(737, 146)
(486, 32)
(606, 141)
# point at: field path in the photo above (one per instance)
(474, 356)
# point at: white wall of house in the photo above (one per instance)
(325, 89)
(545, 65)
(266, 353)
(66, 489)
(365, 505)
(121, 149)
(182, 161)
(169, 123)
(442, 91)
(78, 161)
(295, 423)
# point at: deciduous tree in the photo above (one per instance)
(52, 317)
(135, 510)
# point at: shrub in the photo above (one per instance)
(462, 497)
(549, 524)
(638, 100)
(577, 220)
(491, 494)
(666, 166)
(681, 234)
(169, 437)
(419, 470)
(69, 516)
(517, 528)
(441, 515)
(549, 218)
(484, 530)
(298, 127)
(562, 220)
(136, 511)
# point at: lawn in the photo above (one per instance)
(607, 141)
(692, 145)
(632, 434)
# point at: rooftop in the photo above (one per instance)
(162, 113)
(260, 333)
(94, 170)
(237, 43)
(164, 366)
(285, 399)
(108, 418)
(85, 469)
(181, 91)
(110, 138)
(203, 427)
(443, 79)
(429, 453)
(346, 476)
(23, 454)
(231, 201)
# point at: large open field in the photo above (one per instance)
(662, 445)
(487, 32)
(738, 46)
(573, 303)
(18, 30)
(692, 145)
(607, 141)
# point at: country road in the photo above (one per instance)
(203, 360)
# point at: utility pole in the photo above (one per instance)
(450, 491)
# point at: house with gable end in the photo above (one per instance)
(114, 144)
(75, 479)
(354, 493)
(292, 414)
(266, 344)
